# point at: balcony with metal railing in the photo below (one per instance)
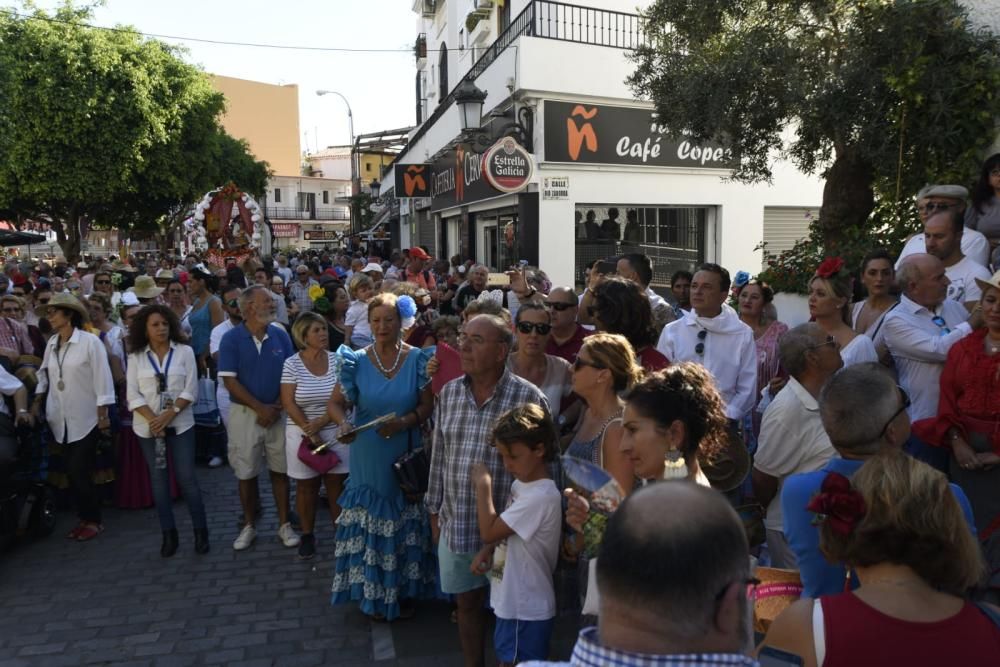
(294, 213)
(557, 21)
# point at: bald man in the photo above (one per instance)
(673, 584)
(567, 334)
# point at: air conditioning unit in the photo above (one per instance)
(428, 7)
(484, 4)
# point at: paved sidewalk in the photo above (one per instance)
(115, 601)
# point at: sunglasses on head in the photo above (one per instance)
(933, 207)
(559, 306)
(527, 327)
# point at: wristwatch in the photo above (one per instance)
(176, 410)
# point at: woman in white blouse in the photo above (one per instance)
(162, 385)
(307, 381)
(75, 385)
(830, 306)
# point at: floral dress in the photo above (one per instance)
(384, 551)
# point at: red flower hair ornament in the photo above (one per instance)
(830, 267)
(837, 504)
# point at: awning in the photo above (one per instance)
(11, 238)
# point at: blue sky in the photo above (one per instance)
(379, 86)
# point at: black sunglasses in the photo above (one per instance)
(700, 347)
(542, 328)
(578, 363)
(905, 404)
(560, 306)
(233, 303)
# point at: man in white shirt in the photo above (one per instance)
(711, 334)
(920, 331)
(283, 269)
(943, 232)
(934, 198)
(792, 438)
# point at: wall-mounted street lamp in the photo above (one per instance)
(469, 99)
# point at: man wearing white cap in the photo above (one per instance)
(934, 198)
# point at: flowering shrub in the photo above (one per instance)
(888, 227)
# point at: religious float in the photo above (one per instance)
(227, 224)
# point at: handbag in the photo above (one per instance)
(320, 458)
(412, 469)
(206, 409)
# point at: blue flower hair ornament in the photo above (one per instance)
(741, 279)
(406, 307)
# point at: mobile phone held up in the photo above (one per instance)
(498, 280)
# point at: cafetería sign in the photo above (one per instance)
(600, 134)
(508, 166)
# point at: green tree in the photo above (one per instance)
(880, 96)
(106, 128)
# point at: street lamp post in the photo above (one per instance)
(355, 184)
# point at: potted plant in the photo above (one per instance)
(472, 20)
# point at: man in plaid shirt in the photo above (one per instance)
(467, 409)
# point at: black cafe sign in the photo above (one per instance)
(599, 134)
(458, 177)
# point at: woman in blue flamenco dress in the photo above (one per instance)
(384, 554)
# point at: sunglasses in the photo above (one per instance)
(830, 340)
(579, 363)
(904, 405)
(527, 327)
(233, 303)
(559, 306)
(14, 310)
(938, 320)
(42, 302)
(102, 282)
(933, 207)
(700, 347)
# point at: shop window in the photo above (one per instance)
(673, 237)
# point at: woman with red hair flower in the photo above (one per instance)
(898, 526)
(830, 307)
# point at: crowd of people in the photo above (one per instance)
(868, 438)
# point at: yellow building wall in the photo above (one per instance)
(267, 117)
(371, 165)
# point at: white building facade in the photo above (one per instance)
(605, 181)
(306, 211)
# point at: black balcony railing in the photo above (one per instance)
(600, 27)
(552, 20)
(292, 213)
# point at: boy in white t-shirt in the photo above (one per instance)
(523, 541)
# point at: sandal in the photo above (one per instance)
(89, 531)
(75, 533)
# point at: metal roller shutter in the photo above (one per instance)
(783, 226)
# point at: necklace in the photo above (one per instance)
(378, 362)
(994, 347)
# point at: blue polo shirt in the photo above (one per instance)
(820, 577)
(258, 371)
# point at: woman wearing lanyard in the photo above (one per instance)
(162, 385)
(76, 386)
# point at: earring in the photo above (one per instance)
(674, 465)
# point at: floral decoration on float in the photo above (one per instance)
(226, 223)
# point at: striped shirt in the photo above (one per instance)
(311, 391)
(461, 438)
(589, 652)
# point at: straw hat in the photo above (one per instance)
(992, 282)
(63, 300)
(118, 265)
(165, 274)
(145, 288)
(728, 468)
(776, 591)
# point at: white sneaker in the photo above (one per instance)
(215, 462)
(288, 536)
(246, 538)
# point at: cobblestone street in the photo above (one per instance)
(114, 600)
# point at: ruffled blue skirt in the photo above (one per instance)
(384, 552)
